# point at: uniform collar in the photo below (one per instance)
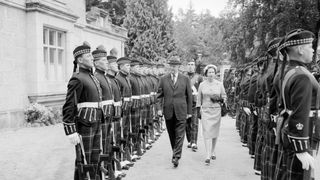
(100, 71)
(296, 63)
(81, 69)
(123, 73)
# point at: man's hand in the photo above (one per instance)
(306, 160)
(159, 113)
(247, 110)
(189, 116)
(74, 138)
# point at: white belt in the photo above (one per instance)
(195, 93)
(127, 99)
(118, 103)
(136, 97)
(153, 93)
(89, 105)
(107, 102)
(312, 113)
(144, 96)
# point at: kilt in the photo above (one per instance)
(244, 127)
(294, 167)
(272, 161)
(106, 135)
(252, 135)
(238, 121)
(135, 126)
(91, 137)
(281, 166)
(126, 122)
(116, 135)
(259, 145)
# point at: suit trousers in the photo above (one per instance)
(176, 130)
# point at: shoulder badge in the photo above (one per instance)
(299, 126)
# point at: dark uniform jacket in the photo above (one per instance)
(116, 95)
(252, 88)
(125, 89)
(136, 86)
(299, 95)
(107, 93)
(195, 81)
(87, 90)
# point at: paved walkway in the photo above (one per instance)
(45, 153)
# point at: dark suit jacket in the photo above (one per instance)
(176, 98)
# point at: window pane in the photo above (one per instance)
(45, 36)
(52, 37)
(45, 59)
(59, 39)
(52, 55)
(60, 56)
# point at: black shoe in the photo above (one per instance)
(175, 162)
(189, 145)
(213, 157)
(207, 162)
(194, 147)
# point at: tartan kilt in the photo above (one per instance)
(281, 166)
(143, 116)
(252, 135)
(244, 127)
(238, 121)
(294, 167)
(106, 134)
(135, 126)
(91, 137)
(272, 161)
(258, 150)
(126, 122)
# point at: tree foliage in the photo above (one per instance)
(249, 25)
(150, 29)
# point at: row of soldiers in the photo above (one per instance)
(276, 100)
(110, 112)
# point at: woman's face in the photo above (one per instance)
(211, 73)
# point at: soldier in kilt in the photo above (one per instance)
(253, 117)
(116, 114)
(245, 108)
(145, 114)
(126, 92)
(136, 85)
(101, 65)
(300, 97)
(82, 113)
(272, 148)
(155, 118)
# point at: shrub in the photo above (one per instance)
(37, 113)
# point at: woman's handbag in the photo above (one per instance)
(224, 109)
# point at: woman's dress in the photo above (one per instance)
(210, 112)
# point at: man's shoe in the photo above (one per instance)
(257, 172)
(213, 157)
(175, 162)
(207, 162)
(194, 147)
(189, 145)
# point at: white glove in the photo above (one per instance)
(247, 110)
(159, 113)
(74, 138)
(255, 113)
(306, 160)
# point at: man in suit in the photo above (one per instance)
(175, 89)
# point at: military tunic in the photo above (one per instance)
(82, 114)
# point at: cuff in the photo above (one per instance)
(299, 144)
(69, 128)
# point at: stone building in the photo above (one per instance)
(37, 39)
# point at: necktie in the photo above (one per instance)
(173, 78)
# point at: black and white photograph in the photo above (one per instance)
(159, 89)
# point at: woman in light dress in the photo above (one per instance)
(210, 93)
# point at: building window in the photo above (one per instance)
(54, 53)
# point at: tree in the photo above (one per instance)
(149, 24)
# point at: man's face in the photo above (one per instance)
(307, 53)
(102, 63)
(125, 68)
(86, 60)
(114, 67)
(173, 68)
(135, 68)
(191, 67)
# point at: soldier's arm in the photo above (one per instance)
(69, 109)
(298, 126)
